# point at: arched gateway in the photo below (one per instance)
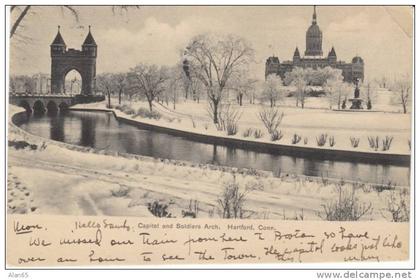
(64, 60)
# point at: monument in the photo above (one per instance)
(64, 60)
(356, 102)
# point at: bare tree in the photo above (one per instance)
(273, 89)
(174, 84)
(106, 83)
(19, 13)
(214, 60)
(149, 80)
(243, 85)
(335, 89)
(299, 78)
(402, 91)
(120, 80)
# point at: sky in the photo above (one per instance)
(382, 36)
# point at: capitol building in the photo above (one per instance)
(314, 58)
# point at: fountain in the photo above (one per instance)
(356, 102)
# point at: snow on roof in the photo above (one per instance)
(313, 57)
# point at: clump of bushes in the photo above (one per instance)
(272, 119)
(125, 109)
(258, 133)
(354, 141)
(247, 132)
(322, 139)
(121, 192)
(227, 119)
(398, 205)
(231, 201)
(296, 139)
(374, 142)
(386, 143)
(346, 208)
(21, 145)
(331, 141)
(276, 135)
(192, 211)
(145, 113)
(159, 209)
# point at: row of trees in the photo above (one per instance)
(299, 79)
(213, 65)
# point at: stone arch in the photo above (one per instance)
(25, 105)
(63, 106)
(82, 62)
(82, 79)
(52, 106)
(39, 107)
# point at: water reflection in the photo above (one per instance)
(57, 126)
(101, 130)
(88, 125)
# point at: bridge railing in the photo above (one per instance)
(24, 94)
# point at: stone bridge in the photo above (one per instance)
(42, 103)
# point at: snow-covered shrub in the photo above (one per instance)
(346, 208)
(331, 141)
(145, 113)
(296, 139)
(121, 192)
(21, 145)
(159, 209)
(386, 143)
(322, 139)
(354, 141)
(384, 186)
(193, 122)
(231, 128)
(258, 133)
(272, 119)
(398, 206)
(374, 142)
(192, 211)
(231, 201)
(247, 132)
(125, 109)
(276, 135)
(227, 119)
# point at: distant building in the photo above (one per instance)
(42, 83)
(314, 58)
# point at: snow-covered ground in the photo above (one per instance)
(64, 179)
(308, 123)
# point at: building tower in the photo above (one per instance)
(296, 56)
(332, 56)
(313, 38)
(64, 60)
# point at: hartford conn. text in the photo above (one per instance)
(108, 241)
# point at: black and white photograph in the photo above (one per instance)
(285, 113)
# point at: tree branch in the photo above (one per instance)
(19, 20)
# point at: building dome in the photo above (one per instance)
(357, 59)
(314, 30)
(313, 38)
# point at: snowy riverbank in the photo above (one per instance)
(58, 178)
(339, 125)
